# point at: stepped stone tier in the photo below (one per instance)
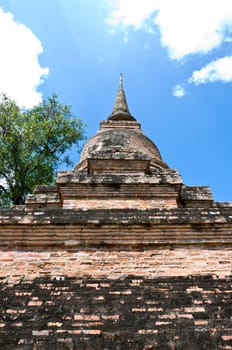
(117, 254)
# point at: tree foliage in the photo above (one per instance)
(32, 144)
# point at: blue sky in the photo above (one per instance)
(176, 60)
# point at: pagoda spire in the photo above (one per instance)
(120, 109)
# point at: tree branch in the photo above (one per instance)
(3, 188)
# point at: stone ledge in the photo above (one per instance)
(163, 176)
(80, 229)
(67, 229)
(219, 214)
(196, 196)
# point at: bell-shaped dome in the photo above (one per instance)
(121, 143)
(120, 137)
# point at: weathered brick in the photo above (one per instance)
(40, 333)
(83, 317)
(35, 303)
(227, 337)
(201, 323)
(55, 324)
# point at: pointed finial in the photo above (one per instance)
(120, 81)
(120, 109)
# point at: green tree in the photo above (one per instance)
(33, 142)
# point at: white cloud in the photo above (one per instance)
(131, 12)
(186, 26)
(218, 70)
(178, 91)
(20, 71)
(194, 26)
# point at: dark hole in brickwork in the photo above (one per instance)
(132, 313)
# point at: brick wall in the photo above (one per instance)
(152, 263)
(116, 279)
(116, 299)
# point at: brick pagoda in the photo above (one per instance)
(118, 254)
